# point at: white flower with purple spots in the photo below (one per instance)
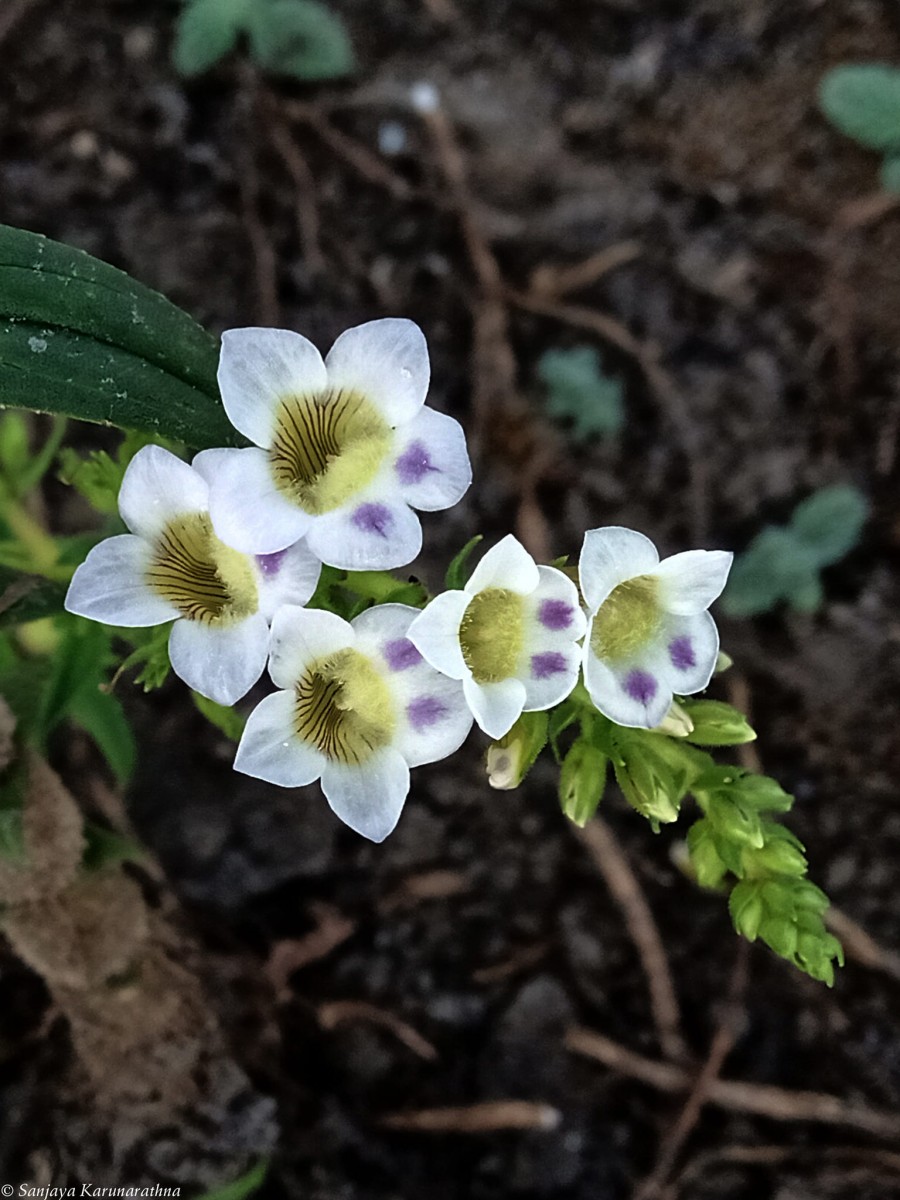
(358, 707)
(650, 636)
(510, 635)
(173, 567)
(344, 449)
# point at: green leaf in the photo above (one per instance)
(890, 173)
(582, 781)
(26, 598)
(746, 908)
(206, 31)
(775, 564)
(649, 783)
(830, 521)
(12, 836)
(225, 719)
(580, 393)
(101, 715)
(98, 476)
(105, 848)
(717, 724)
(300, 38)
(241, 1188)
(80, 338)
(458, 572)
(863, 101)
(78, 666)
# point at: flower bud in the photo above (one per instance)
(510, 758)
(676, 723)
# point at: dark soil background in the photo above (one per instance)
(751, 300)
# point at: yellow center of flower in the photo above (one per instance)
(344, 708)
(628, 618)
(202, 577)
(492, 633)
(326, 448)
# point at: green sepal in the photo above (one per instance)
(226, 720)
(458, 572)
(582, 781)
(511, 757)
(561, 718)
(704, 852)
(717, 724)
(649, 782)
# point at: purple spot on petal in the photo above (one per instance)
(373, 518)
(681, 652)
(545, 665)
(414, 463)
(401, 654)
(555, 614)
(640, 686)
(270, 564)
(424, 711)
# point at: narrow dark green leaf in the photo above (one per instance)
(28, 597)
(101, 715)
(82, 339)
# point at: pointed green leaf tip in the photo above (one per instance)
(863, 101)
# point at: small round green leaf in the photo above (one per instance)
(863, 101)
(300, 38)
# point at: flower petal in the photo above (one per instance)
(435, 633)
(369, 797)
(270, 749)
(158, 486)
(552, 674)
(431, 463)
(208, 462)
(286, 577)
(257, 369)
(301, 635)
(432, 714)
(692, 580)
(506, 565)
(221, 664)
(495, 706)
(247, 510)
(609, 556)
(632, 694)
(110, 586)
(371, 535)
(691, 647)
(385, 361)
(555, 614)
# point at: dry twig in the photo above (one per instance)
(354, 153)
(265, 265)
(340, 1012)
(723, 1041)
(762, 1100)
(553, 281)
(622, 882)
(489, 1117)
(305, 209)
(774, 1156)
(292, 954)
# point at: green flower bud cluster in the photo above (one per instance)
(735, 843)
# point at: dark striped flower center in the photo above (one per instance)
(202, 577)
(344, 708)
(326, 448)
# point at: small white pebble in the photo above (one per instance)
(84, 144)
(37, 345)
(424, 97)
(392, 139)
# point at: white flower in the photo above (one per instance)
(358, 708)
(173, 567)
(510, 635)
(649, 635)
(344, 449)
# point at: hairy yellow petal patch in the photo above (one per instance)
(326, 448)
(492, 634)
(201, 576)
(344, 708)
(628, 619)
